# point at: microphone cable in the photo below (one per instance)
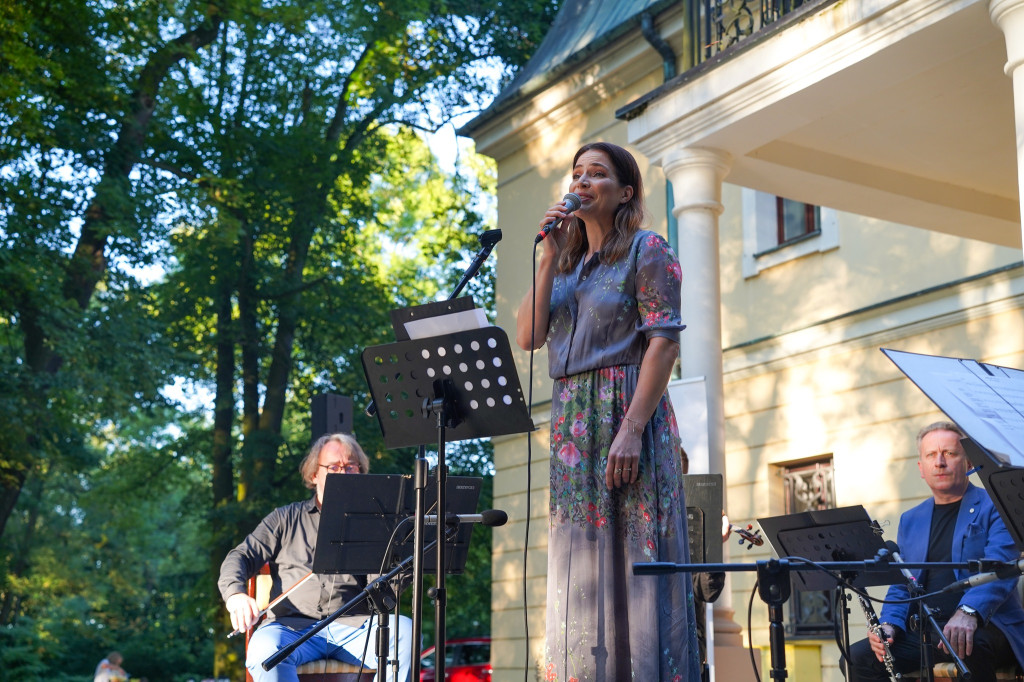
(529, 462)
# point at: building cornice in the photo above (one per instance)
(970, 298)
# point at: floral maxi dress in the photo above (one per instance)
(603, 623)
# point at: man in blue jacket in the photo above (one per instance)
(984, 624)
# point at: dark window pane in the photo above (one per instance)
(476, 654)
(795, 219)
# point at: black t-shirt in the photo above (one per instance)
(940, 548)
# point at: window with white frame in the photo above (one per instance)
(777, 230)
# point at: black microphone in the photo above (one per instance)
(488, 517)
(655, 568)
(894, 550)
(572, 203)
(1008, 570)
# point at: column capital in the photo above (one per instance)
(1008, 15)
(696, 174)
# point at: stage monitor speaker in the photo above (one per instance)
(704, 517)
(330, 413)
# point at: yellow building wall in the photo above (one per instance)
(849, 401)
(803, 373)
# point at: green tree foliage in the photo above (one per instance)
(115, 562)
(226, 195)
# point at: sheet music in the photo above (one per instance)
(986, 401)
(446, 324)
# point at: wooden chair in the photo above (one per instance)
(326, 670)
(946, 672)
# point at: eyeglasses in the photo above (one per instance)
(338, 468)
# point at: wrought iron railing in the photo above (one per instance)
(714, 26)
(809, 487)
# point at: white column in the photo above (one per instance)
(696, 176)
(1008, 15)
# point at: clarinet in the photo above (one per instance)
(875, 628)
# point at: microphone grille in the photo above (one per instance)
(493, 517)
(572, 201)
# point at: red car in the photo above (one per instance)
(467, 659)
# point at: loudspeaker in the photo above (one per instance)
(330, 414)
(704, 517)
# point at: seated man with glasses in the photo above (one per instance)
(285, 539)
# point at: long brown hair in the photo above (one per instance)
(629, 216)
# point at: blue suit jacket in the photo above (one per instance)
(979, 534)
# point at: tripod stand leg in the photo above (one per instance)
(420, 484)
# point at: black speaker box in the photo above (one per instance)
(330, 414)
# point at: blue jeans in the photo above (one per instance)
(337, 641)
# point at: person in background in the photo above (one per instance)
(607, 304)
(286, 539)
(958, 523)
(110, 670)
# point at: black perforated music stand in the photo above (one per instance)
(360, 516)
(842, 534)
(445, 388)
(485, 390)
(703, 494)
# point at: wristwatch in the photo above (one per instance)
(970, 611)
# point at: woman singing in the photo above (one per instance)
(608, 306)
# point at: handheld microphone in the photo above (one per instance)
(488, 517)
(1009, 570)
(572, 203)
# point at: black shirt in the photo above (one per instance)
(940, 548)
(286, 539)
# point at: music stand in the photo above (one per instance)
(1005, 485)
(841, 534)
(415, 314)
(485, 391)
(361, 512)
(466, 381)
(987, 402)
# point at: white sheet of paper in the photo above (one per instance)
(446, 324)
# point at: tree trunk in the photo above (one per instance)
(20, 565)
(225, 653)
(87, 265)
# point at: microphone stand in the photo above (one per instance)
(378, 594)
(925, 622)
(420, 484)
(488, 239)
(773, 586)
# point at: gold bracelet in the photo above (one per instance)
(634, 425)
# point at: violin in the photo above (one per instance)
(747, 535)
